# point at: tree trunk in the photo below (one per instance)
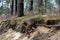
(59, 5)
(31, 5)
(40, 3)
(15, 7)
(44, 3)
(20, 8)
(11, 7)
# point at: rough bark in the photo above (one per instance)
(20, 8)
(31, 5)
(15, 7)
(11, 7)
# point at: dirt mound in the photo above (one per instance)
(27, 29)
(39, 34)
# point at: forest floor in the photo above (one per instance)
(40, 33)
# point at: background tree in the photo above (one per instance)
(11, 6)
(15, 8)
(58, 5)
(20, 8)
(31, 5)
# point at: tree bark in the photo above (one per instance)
(20, 8)
(11, 7)
(44, 3)
(31, 5)
(15, 7)
(40, 3)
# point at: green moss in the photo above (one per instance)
(21, 20)
(13, 21)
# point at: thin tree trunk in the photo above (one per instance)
(31, 5)
(2, 6)
(11, 7)
(15, 7)
(20, 8)
(44, 1)
(41, 3)
(59, 6)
